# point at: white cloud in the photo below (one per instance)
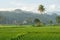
(51, 7)
(24, 6)
(6, 9)
(28, 8)
(16, 3)
(19, 5)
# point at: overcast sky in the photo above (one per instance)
(30, 5)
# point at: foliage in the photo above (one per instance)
(41, 8)
(58, 19)
(51, 21)
(37, 22)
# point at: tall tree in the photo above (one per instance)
(37, 22)
(58, 19)
(50, 21)
(41, 8)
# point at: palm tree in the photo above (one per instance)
(41, 8)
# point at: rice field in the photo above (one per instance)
(29, 32)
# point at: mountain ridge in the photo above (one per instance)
(19, 16)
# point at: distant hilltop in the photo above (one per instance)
(18, 16)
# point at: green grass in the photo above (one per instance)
(29, 33)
